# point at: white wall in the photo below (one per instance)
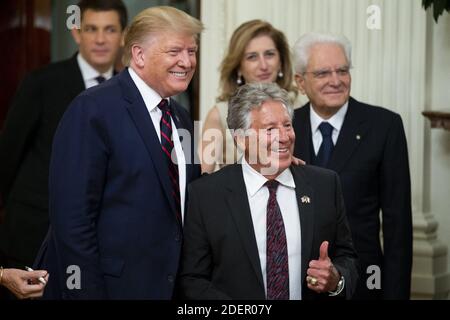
(438, 98)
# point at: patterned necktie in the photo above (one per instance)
(277, 266)
(167, 147)
(327, 146)
(100, 79)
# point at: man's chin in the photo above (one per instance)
(102, 64)
(336, 102)
(276, 167)
(179, 87)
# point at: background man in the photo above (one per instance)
(366, 146)
(26, 141)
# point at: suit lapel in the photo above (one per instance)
(75, 82)
(305, 201)
(302, 127)
(143, 122)
(240, 210)
(352, 132)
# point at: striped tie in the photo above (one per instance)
(277, 266)
(167, 147)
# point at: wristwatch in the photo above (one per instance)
(340, 286)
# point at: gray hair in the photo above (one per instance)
(303, 45)
(251, 96)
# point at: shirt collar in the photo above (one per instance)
(254, 180)
(150, 96)
(88, 72)
(336, 120)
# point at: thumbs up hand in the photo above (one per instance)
(322, 276)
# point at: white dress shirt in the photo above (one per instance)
(89, 73)
(258, 195)
(152, 99)
(336, 121)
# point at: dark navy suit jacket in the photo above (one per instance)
(110, 212)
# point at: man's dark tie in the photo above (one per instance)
(167, 147)
(277, 266)
(327, 146)
(100, 79)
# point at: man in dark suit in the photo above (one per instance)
(120, 162)
(26, 140)
(366, 146)
(264, 229)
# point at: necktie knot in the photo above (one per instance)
(326, 129)
(272, 185)
(100, 79)
(164, 106)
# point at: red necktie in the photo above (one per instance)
(277, 266)
(167, 147)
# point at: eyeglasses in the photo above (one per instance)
(327, 73)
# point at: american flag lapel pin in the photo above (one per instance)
(305, 199)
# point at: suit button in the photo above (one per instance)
(171, 278)
(178, 238)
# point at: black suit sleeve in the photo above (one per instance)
(21, 122)
(395, 189)
(345, 258)
(197, 261)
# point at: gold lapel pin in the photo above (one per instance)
(305, 199)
